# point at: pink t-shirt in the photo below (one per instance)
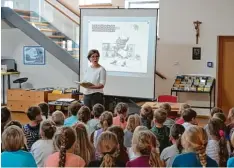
(180, 121)
(72, 160)
(116, 122)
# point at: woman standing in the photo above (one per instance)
(95, 74)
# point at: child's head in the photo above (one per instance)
(176, 132)
(147, 112)
(83, 146)
(215, 110)
(98, 109)
(64, 139)
(144, 143)
(74, 107)
(166, 106)
(34, 114)
(13, 122)
(189, 115)
(118, 131)
(108, 146)
(220, 116)
(231, 115)
(58, 118)
(44, 109)
(121, 109)
(106, 120)
(5, 116)
(160, 116)
(133, 121)
(84, 114)
(195, 139)
(13, 138)
(217, 131)
(47, 129)
(183, 107)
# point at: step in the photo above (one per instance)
(40, 23)
(48, 30)
(73, 49)
(29, 17)
(22, 11)
(58, 42)
(57, 37)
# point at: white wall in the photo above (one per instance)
(177, 37)
(53, 74)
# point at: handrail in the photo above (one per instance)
(160, 75)
(66, 5)
(98, 5)
(61, 11)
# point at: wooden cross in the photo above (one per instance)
(197, 28)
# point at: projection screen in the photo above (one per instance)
(126, 40)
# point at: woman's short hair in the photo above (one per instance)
(13, 138)
(91, 52)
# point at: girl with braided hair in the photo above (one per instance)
(108, 146)
(121, 110)
(194, 141)
(217, 145)
(144, 146)
(64, 139)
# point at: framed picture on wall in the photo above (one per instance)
(34, 55)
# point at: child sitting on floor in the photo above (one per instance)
(84, 115)
(182, 108)
(73, 109)
(169, 122)
(121, 110)
(189, 116)
(161, 131)
(147, 115)
(58, 118)
(45, 110)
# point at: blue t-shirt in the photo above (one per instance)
(18, 158)
(70, 121)
(230, 162)
(191, 160)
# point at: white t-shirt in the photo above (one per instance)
(187, 125)
(95, 76)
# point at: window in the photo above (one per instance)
(143, 4)
(90, 2)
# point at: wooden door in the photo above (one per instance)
(226, 73)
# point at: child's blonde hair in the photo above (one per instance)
(166, 106)
(47, 129)
(13, 138)
(160, 115)
(230, 117)
(83, 146)
(195, 138)
(133, 121)
(58, 118)
(106, 120)
(108, 146)
(145, 143)
(121, 109)
(183, 107)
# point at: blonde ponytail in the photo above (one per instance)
(202, 156)
(154, 160)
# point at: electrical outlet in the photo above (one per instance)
(210, 64)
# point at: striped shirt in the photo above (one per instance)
(212, 150)
(31, 134)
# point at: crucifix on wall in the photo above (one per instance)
(197, 28)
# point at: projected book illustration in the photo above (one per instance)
(123, 45)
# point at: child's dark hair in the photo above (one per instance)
(118, 131)
(106, 120)
(121, 109)
(64, 140)
(13, 122)
(160, 115)
(215, 110)
(5, 116)
(220, 116)
(189, 114)
(74, 107)
(217, 129)
(166, 106)
(44, 109)
(98, 109)
(147, 115)
(33, 112)
(84, 114)
(176, 132)
(48, 128)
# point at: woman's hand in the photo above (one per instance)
(99, 86)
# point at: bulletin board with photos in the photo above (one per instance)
(195, 84)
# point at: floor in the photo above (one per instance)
(23, 119)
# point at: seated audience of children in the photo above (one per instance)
(73, 109)
(32, 129)
(189, 116)
(132, 123)
(58, 118)
(147, 115)
(44, 147)
(161, 131)
(183, 106)
(121, 110)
